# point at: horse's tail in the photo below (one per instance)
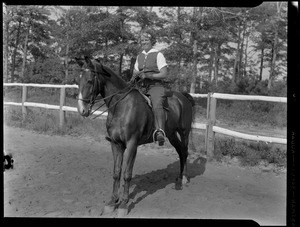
(191, 99)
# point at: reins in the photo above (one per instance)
(93, 99)
(131, 88)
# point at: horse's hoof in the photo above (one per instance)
(108, 210)
(178, 186)
(122, 212)
(184, 180)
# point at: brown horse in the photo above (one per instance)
(130, 123)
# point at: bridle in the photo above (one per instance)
(93, 99)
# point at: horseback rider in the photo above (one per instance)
(151, 66)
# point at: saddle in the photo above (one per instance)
(147, 97)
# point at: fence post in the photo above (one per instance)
(62, 103)
(211, 118)
(24, 99)
(207, 119)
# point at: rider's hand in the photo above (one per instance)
(135, 76)
(142, 76)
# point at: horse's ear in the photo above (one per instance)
(79, 61)
(88, 61)
(107, 71)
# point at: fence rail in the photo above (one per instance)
(210, 127)
(43, 85)
(249, 97)
(247, 136)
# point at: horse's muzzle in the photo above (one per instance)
(83, 110)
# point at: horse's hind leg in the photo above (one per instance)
(180, 144)
(118, 152)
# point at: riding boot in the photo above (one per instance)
(160, 126)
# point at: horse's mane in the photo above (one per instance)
(114, 77)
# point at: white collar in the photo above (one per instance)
(150, 51)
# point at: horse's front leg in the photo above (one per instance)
(118, 152)
(131, 154)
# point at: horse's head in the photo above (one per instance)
(93, 80)
(89, 83)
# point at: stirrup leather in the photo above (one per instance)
(158, 130)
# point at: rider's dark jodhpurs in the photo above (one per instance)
(157, 92)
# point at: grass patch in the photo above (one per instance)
(79, 126)
(47, 121)
(36, 119)
(252, 112)
(250, 153)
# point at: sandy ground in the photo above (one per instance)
(64, 176)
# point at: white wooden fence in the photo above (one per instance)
(209, 126)
(211, 129)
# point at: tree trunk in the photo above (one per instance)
(241, 49)
(274, 55)
(210, 66)
(201, 82)
(216, 62)
(193, 82)
(246, 56)
(13, 64)
(5, 44)
(67, 64)
(179, 15)
(261, 64)
(273, 63)
(179, 21)
(67, 49)
(237, 58)
(105, 57)
(120, 64)
(195, 47)
(25, 53)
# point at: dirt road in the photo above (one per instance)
(63, 176)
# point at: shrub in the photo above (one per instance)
(259, 88)
(279, 88)
(13, 116)
(249, 153)
(274, 155)
(225, 147)
(251, 157)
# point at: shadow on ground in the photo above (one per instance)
(159, 179)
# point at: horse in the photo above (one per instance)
(130, 123)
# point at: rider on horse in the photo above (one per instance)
(151, 66)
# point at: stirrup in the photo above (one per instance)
(158, 130)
